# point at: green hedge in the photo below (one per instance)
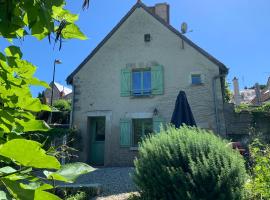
(188, 163)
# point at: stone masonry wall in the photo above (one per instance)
(245, 124)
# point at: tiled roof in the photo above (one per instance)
(62, 88)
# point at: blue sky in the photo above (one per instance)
(235, 32)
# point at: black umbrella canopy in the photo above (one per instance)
(182, 113)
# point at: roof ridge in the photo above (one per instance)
(139, 4)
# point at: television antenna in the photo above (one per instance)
(184, 30)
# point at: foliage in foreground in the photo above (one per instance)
(22, 159)
(258, 186)
(188, 163)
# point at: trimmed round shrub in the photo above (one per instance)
(188, 163)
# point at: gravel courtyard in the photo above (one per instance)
(116, 182)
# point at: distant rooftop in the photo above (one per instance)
(63, 88)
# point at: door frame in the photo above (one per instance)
(108, 129)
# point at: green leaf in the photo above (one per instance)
(7, 170)
(3, 195)
(17, 191)
(42, 195)
(33, 191)
(35, 81)
(28, 153)
(59, 14)
(13, 51)
(69, 172)
(32, 125)
(39, 31)
(73, 31)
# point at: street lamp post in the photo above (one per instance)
(51, 103)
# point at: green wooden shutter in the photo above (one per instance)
(158, 122)
(157, 80)
(125, 132)
(125, 82)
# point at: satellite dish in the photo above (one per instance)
(184, 28)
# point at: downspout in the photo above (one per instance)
(214, 86)
(72, 107)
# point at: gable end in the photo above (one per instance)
(222, 68)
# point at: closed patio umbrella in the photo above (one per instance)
(182, 113)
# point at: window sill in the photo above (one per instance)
(134, 148)
(199, 84)
(141, 96)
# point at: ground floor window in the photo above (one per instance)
(141, 128)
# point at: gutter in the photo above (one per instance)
(214, 86)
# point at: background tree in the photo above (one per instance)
(21, 157)
(228, 95)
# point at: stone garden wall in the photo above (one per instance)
(246, 124)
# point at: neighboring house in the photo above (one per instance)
(247, 95)
(244, 96)
(263, 95)
(59, 92)
(128, 85)
(254, 96)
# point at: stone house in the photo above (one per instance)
(128, 85)
(59, 92)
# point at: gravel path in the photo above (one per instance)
(116, 182)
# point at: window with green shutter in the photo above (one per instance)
(125, 82)
(158, 122)
(141, 128)
(132, 131)
(157, 80)
(125, 132)
(142, 82)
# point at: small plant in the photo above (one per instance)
(78, 196)
(188, 163)
(258, 186)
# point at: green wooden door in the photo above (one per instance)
(97, 140)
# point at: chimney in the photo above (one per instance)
(268, 83)
(162, 10)
(258, 94)
(237, 97)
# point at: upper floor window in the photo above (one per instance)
(141, 82)
(196, 79)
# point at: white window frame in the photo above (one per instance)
(197, 73)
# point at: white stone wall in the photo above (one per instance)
(97, 84)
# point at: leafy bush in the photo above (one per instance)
(242, 107)
(62, 105)
(188, 163)
(245, 107)
(258, 187)
(264, 108)
(78, 196)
